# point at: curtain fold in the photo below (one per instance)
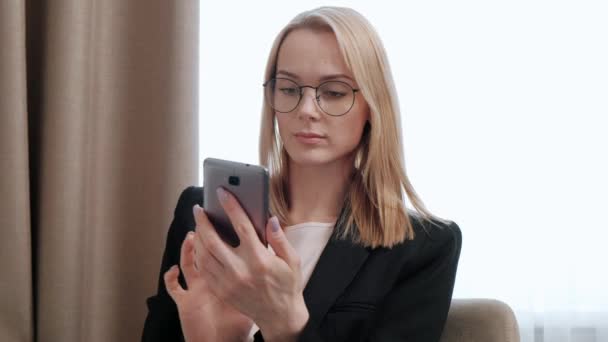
(16, 306)
(98, 137)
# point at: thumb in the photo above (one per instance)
(279, 243)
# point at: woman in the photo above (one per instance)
(347, 260)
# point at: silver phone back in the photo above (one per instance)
(251, 192)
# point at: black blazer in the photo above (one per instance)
(354, 293)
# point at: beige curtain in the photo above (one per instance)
(98, 136)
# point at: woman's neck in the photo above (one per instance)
(317, 192)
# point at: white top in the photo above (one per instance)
(308, 239)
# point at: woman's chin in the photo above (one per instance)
(311, 159)
(315, 158)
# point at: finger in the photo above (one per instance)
(195, 211)
(279, 243)
(238, 217)
(175, 290)
(207, 251)
(213, 272)
(211, 265)
(210, 240)
(186, 259)
(204, 225)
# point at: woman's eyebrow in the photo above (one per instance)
(323, 78)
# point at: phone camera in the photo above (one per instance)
(234, 180)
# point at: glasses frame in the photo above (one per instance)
(317, 96)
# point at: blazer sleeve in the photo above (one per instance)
(162, 322)
(416, 308)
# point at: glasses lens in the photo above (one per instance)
(336, 98)
(282, 94)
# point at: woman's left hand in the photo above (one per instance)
(263, 286)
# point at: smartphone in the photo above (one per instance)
(248, 183)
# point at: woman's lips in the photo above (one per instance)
(309, 138)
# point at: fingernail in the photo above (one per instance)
(221, 194)
(196, 208)
(274, 224)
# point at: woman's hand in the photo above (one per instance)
(261, 285)
(203, 316)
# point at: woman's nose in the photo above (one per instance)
(309, 108)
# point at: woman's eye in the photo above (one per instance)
(289, 91)
(333, 94)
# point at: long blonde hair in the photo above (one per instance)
(374, 202)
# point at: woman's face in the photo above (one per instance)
(310, 57)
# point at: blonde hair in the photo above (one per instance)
(374, 202)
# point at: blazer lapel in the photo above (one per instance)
(337, 266)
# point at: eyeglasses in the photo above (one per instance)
(335, 98)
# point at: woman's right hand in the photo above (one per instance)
(203, 317)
